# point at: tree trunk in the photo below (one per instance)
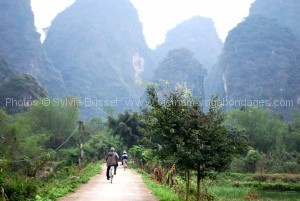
(187, 182)
(198, 182)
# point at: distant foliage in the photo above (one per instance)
(127, 126)
(263, 127)
(274, 143)
(18, 92)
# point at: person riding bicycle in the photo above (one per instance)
(124, 157)
(111, 160)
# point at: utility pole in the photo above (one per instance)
(80, 145)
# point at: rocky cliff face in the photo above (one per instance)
(260, 58)
(21, 47)
(180, 66)
(99, 48)
(286, 12)
(198, 35)
(260, 61)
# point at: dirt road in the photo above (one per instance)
(127, 186)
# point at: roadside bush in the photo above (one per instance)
(68, 157)
(16, 188)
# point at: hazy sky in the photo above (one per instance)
(159, 16)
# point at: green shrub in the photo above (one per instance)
(250, 161)
(17, 188)
(284, 178)
(67, 157)
(270, 186)
(291, 167)
(66, 180)
(237, 165)
(260, 177)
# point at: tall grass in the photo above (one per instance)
(162, 192)
(283, 196)
(228, 193)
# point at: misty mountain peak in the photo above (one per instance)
(197, 34)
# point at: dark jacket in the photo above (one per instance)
(112, 158)
(124, 156)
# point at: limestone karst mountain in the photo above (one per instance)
(197, 34)
(100, 49)
(261, 61)
(21, 48)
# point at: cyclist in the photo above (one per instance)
(111, 160)
(124, 157)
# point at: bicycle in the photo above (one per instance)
(124, 164)
(111, 175)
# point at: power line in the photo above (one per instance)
(66, 139)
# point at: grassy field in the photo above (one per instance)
(238, 187)
(229, 193)
(256, 187)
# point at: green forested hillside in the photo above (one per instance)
(21, 47)
(18, 91)
(286, 12)
(100, 50)
(180, 66)
(5, 70)
(197, 34)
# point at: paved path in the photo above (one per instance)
(127, 186)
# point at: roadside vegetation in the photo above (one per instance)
(182, 152)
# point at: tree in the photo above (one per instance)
(263, 127)
(293, 138)
(56, 118)
(98, 140)
(127, 127)
(197, 141)
(8, 137)
(17, 147)
(18, 91)
(251, 159)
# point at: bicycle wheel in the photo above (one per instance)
(111, 174)
(124, 164)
